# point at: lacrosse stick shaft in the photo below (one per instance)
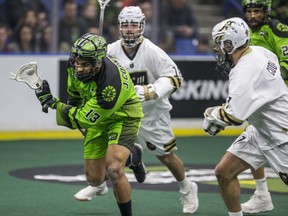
(101, 21)
(102, 4)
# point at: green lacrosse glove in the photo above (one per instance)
(45, 97)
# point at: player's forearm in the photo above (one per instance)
(62, 115)
(166, 86)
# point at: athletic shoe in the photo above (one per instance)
(138, 167)
(257, 203)
(86, 194)
(190, 200)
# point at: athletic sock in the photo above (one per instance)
(103, 184)
(235, 213)
(184, 185)
(261, 186)
(125, 208)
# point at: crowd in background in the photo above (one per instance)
(25, 25)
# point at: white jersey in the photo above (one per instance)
(257, 93)
(148, 64)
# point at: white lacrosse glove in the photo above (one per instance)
(145, 92)
(211, 124)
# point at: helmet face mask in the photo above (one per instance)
(131, 22)
(228, 36)
(255, 17)
(89, 50)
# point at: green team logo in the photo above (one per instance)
(109, 93)
(282, 27)
(113, 136)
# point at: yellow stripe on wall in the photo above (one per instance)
(74, 134)
(39, 135)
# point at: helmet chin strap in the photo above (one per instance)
(136, 41)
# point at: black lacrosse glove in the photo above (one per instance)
(45, 97)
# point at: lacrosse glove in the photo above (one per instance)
(45, 97)
(145, 92)
(211, 124)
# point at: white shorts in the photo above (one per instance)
(246, 148)
(157, 136)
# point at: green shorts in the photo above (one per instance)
(119, 132)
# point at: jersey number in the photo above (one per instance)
(177, 72)
(92, 116)
(284, 50)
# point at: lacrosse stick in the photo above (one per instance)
(103, 4)
(27, 73)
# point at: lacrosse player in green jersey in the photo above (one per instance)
(102, 101)
(272, 35)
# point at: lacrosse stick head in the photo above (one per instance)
(27, 73)
(103, 3)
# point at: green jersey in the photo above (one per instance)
(274, 36)
(109, 97)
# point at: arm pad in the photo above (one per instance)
(163, 87)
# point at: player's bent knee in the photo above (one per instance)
(114, 173)
(221, 173)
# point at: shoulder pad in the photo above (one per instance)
(278, 28)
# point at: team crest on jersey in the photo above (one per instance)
(109, 93)
(113, 136)
(282, 27)
(139, 78)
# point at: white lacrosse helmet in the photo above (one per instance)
(231, 34)
(129, 17)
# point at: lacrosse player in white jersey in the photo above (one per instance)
(155, 77)
(256, 93)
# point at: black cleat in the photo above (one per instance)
(135, 163)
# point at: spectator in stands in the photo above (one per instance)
(29, 17)
(203, 46)
(37, 21)
(110, 26)
(23, 40)
(146, 7)
(45, 41)
(71, 26)
(42, 20)
(280, 10)
(4, 38)
(180, 25)
(90, 12)
(16, 8)
(232, 8)
(3, 18)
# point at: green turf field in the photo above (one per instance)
(21, 196)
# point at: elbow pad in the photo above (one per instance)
(165, 86)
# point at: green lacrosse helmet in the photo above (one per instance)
(90, 47)
(264, 4)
